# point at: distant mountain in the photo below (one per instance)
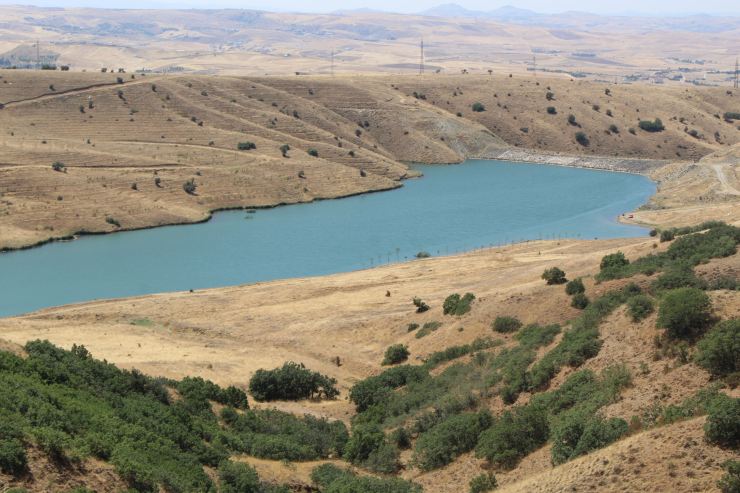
(506, 13)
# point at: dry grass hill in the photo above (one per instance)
(129, 143)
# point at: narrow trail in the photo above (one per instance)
(726, 186)
(76, 90)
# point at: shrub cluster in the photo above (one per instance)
(652, 126)
(456, 305)
(719, 350)
(450, 438)
(554, 275)
(292, 381)
(684, 313)
(397, 353)
(506, 324)
(332, 479)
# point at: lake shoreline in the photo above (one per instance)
(524, 156)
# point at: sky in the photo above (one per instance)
(646, 7)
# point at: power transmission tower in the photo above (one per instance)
(421, 58)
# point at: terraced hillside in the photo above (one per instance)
(129, 146)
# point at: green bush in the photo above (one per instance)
(236, 477)
(614, 261)
(582, 139)
(373, 390)
(551, 110)
(189, 187)
(456, 305)
(246, 146)
(313, 152)
(292, 381)
(577, 434)
(515, 434)
(730, 482)
(454, 352)
(199, 388)
(13, 458)
(652, 126)
(505, 324)
(580, 301)
(364, 440)
(639, 307)
(421, 305)
(483, 483)
(719, 350)
(574, 287)
(59, 166)
(401, 438)
(449, 439)
(331, 479)
(680, 275)
(684, 313)
(428, 328)
(666, 235)
(284, 150)
(397, 353)
(554, 275)
(723, 422)
(478, 107)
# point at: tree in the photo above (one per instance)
(478, 107)
(554, 275)
(397, 353)
(613, 261)
(292, 381)
(684, 313)
(505, 324)
(719, 350)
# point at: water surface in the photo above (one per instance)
(450, 209)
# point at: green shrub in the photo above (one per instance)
(189, 187)
(401, 438)
(199, 388)
(397, 353)
(730, 482)
(652, 126)
(246, 146)
(577, 434)
(456, 305)
(554, 275)
(59, 166)
(515, 434)
(680, 275)
(331, 479)
(420, 305)
(449, 439)
(483, 483)
(13, 458)
(613, 261)
(572, 119)
(454, 352)
(666, 235)
(574, 287)
(478, 107)
(384, 459)
(237, 477)
(639, 307)
(719, 350)
(505, 324)
(427, 329)
(684, 313)
(580, 301)
(723, 422)
(364, 440)
(284, 150)
(313, 152)
(551, 110)
(582, 139)
(373, 390)
(292, 381)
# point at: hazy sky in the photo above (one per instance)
(651, 7)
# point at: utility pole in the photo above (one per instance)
(737, 71)
(332, 62)
(38, 56)
(534, 64)
(421, 58)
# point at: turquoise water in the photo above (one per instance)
(450, 209)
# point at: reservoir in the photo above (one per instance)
(450, 209)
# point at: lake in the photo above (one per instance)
(452, 208)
